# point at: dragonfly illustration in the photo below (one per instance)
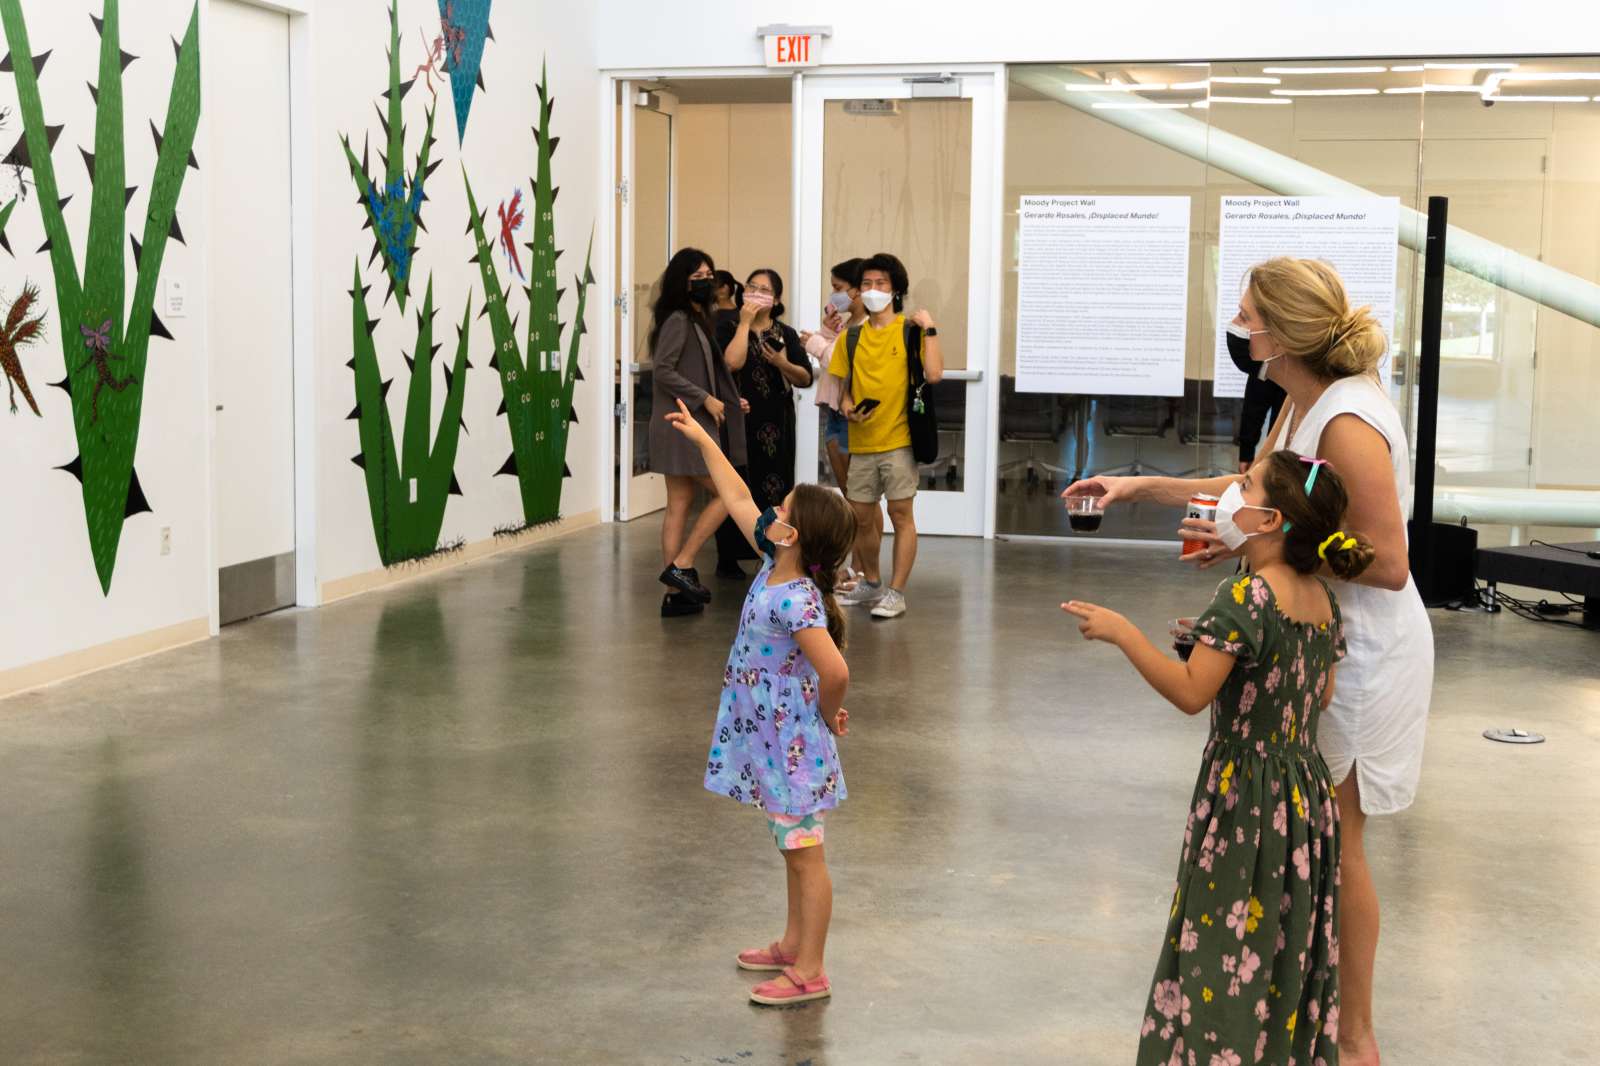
(511, 220)
(98, 342)
(19, 331)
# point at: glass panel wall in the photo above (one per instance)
(897, 177)
(1067, 134)
(1513, 143)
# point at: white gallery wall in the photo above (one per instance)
(54, 615)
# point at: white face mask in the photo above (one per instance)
(1231, 503)
(876, 300)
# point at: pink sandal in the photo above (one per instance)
(767, 959)
(772, 994)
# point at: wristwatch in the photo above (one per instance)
(931, 331)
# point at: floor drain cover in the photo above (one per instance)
(1513, 736)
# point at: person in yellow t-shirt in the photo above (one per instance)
(881, 463)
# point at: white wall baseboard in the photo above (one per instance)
(112, 653)
(385, 577)
(117, 652)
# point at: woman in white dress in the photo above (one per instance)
(1297, 325)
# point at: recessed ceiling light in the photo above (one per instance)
(1536, 99)
(1248, 100)
(1241, 80)
(1324, 92)
(1325, 70)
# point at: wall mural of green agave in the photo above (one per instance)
(536, 382)
(409, 483)
(104, 340)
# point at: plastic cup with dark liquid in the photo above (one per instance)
(1085, 513)
(1182, 630)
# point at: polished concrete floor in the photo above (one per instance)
(461, 821)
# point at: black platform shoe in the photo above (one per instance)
(678, 605)
(687, 581)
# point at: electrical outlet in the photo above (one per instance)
(166, 540)
(413, 488)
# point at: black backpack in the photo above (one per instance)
(924, 424)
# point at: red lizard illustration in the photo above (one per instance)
(510, 221)
(97, 341)
(18, 331)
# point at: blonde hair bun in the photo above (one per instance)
(1307, 311)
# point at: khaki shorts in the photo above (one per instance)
(882, 475)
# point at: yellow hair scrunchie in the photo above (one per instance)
(1349, 542)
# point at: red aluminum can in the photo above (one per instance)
(1203, 507)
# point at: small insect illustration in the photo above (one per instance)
(98, 342)
(511, 220)
(17, 332)
(429, 68)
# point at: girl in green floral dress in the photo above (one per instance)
(1249, 969)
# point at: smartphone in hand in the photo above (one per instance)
(866, 407)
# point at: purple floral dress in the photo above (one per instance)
(770, 747)
(1249, 970)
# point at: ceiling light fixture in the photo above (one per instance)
(1113, 87)
(1140, 105)
(1537, 99)
(1325, 70)
(1324, 92)
(1241, 80)
(1404, 90)
(1248, 100)
(1452, 66)
(1551, 75)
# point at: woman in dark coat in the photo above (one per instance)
(688, 366)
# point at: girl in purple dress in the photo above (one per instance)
(773, 743)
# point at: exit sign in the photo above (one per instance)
(792, 49)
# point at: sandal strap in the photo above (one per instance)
(775, 951)
(816, 984)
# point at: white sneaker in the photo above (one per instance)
(892, 605)
(863, 595)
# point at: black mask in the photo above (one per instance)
(1239, 352)
(702, 290)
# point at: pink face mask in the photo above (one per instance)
(757, 299)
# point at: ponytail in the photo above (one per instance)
(1312, 520)
(1347, 554)
(824, 577)
(827, 528)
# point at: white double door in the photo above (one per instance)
(898, 162)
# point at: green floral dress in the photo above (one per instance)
(1249, 972)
